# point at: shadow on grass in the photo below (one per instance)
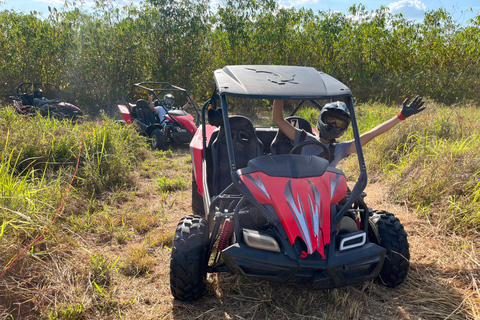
(426, 294)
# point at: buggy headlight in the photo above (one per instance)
(352, 240)
(258, 240)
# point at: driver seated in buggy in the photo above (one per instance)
(332, 123)
(160, 108)
(39, 100)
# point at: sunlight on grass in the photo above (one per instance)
(430, 162)
(167, 185)
(137, 262)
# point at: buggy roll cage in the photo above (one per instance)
(57, 93)
(283, 83)
(156, 88)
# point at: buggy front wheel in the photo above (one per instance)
(158, 140)
(387, 231)
(188, 263)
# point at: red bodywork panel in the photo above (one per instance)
(69, 105)
(302, 205)
(125, 113)
(196, 150)
(19, 107)
(187, 121)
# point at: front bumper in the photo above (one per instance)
(338, 270)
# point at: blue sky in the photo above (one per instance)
(411, 9)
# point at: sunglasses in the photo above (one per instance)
(336, 122)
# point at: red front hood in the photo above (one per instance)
(302, 205)
(71, 106)
(186, 120)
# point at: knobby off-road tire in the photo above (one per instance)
(197, 200)
(158, 140)
(189, 259)
(387, 231)
(57, 116)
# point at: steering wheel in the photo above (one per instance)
(324, 154)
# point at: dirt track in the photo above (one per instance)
(443, 282)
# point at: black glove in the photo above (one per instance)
(413, 108)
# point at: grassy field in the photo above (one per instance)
(88, 214)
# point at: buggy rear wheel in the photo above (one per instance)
(387, 231)
(158, 140)
(188, 263)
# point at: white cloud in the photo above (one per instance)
(51, 2)
(297, 3)
(411, 9)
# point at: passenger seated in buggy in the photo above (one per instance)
(332, 123)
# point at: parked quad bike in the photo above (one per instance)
(177, 127)
(263, 211)
(55, 102)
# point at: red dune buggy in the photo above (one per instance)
(46, 99)
(263, 211)
(176, 127)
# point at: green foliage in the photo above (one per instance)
(311, 114)
(109, 152)
(95, 56)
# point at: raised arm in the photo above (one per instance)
(282, 124)
(150, 103)
(407, 111)
(188, 103)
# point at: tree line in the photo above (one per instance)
(96, 55)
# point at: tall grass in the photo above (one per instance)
(430, 161)
(38, 159)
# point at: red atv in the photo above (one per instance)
(176, 127)
(45, 99)
(263, 211)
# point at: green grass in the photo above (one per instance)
(138, 262)
(119, 219)
(38, 160)
(429, 161)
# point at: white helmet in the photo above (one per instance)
(169, 99)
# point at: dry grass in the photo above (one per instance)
(95, 276)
